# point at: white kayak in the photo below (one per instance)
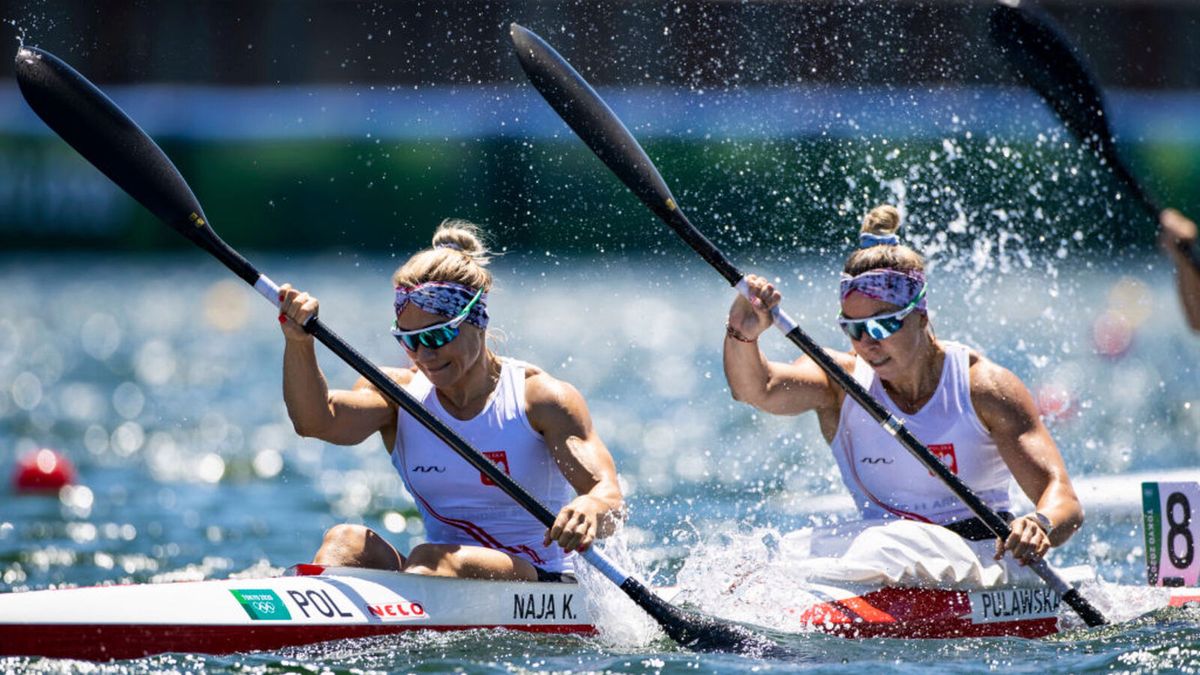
(308, 604)
(311, 604)
(900, 579)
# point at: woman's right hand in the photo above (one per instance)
(296, 308)
(752, 318)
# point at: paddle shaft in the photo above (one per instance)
(104, 135)
(598, 126)
(1112, 158)
(662, 612)
(890, 423)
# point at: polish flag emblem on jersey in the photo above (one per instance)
(500, 459)
(945, 452)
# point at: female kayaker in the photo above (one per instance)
(533, 426)
(976, 416)
(1177, 237)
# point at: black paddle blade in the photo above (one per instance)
(1044, 59)
(701, 633)
(592, 120)
(100, 131)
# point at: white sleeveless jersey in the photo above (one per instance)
(887, 482)
(457, 503)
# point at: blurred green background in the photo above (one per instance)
(306, 124)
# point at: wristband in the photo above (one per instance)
(736, 334)
(1043, 522)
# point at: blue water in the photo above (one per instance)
(159, 378)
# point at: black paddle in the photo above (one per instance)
(1042, 57)
(100, 131)
(587, 114)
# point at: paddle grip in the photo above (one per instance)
(779, 318)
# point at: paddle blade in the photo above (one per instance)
(100, 131)
(1043, 58)
(700, 633)
(592, 120)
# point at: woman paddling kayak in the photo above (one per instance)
(534, 427)
(975, 415)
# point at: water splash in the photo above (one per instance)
(21, 32)
(621, 621)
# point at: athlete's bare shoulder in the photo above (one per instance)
(532, 371)
(543, 388)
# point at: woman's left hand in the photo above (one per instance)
(1177, 234)
(1027, 542)
(576, 525)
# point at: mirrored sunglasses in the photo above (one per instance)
(879, 327)
(437, 335)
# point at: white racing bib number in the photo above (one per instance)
(1013, 604)
(1169, 511)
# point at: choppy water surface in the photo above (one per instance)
(159, 377)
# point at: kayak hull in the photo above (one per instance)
(314, 604)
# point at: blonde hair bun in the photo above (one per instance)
(462, 236)
(458, 255)
(881, 221)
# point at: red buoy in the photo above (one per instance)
(43, 471)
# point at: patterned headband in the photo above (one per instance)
(891, 286)
(445, 298)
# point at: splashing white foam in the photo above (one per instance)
(621, 622)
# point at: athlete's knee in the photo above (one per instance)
(431, 559)
(346, 536)
(356, 546)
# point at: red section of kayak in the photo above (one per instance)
(113, 642)
(915, 613)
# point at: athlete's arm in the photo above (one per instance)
(344, 417)
(777, 388)
(1007, 410)
(557, 411)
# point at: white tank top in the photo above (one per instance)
(461, 506)
(887, 482)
